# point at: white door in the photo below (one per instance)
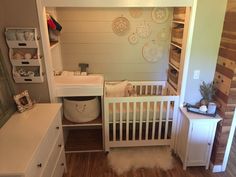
(199, 142)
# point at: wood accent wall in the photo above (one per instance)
(225, 80)
(87, 36)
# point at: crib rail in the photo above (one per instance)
(147, 87)
(140, 121)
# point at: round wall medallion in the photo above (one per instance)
(160, 14)
(143, 30)
(120, 26)
(136, 12)
(152, 51)
(133, 38)
(164, 34)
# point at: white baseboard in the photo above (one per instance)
(216, 168)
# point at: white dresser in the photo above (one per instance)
(195, 138)
(31, 143)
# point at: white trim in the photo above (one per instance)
(188, 51)
(222, 168)
(229, 143)
(216, 168)
(116, 3)
(46, 48)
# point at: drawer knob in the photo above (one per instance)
(39, 165)
(224, 64)
(57, 127)
(59, 145)
(222, 81)
(62, 164)
(209, 144)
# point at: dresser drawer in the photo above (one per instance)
(222, 83)
(60, 166)
(41, 156)
(54, 154)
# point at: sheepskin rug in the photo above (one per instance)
(124, 159)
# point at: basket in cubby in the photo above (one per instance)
(179, 13)
(173, 75)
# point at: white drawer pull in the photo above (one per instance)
(39, 165)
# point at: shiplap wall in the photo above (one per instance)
(87, 36)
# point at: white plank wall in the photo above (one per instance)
(87, 36)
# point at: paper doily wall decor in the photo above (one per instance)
(152, 51)
(120, 26)
(160, 14)
(164, 34)
(136, 12)
(143, 30)
(133, 38)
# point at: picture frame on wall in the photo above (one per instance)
(23, 101)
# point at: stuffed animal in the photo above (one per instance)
(129, 90)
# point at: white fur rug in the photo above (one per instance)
(124, 159)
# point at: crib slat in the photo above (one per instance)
(134, 120)
(152, 90)
(154, 120)
(114, 121)
(147, 120)
(140, 90)
(141, 121)
(121, 126)
(167, 119)
(160, 120)
(127, 122)
(146, 89)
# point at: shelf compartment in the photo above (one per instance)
(25, 62)
(20, 78)
(175, 54)
(173, 75)
(179, 14)
(96, 122)
(177, 34)
(84, 140)
(21, 37)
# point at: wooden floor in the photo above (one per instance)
(95, 165)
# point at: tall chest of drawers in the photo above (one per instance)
(31, 143)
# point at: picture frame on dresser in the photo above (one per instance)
(23, 101)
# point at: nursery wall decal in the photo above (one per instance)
(120, 26)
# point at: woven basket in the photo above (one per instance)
(173, 77)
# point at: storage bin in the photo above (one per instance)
(179, 13)
(81, 109)
(173, 75)
(175, 54)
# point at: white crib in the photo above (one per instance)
(148, 119)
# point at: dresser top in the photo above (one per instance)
(194, 116)
(22, 134)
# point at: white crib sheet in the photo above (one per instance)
(137, 116)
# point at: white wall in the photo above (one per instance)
(207, 31)
(87, 36)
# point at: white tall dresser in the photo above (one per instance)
(31, 143)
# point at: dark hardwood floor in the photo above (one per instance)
(95, 165)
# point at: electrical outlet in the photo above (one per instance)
(196, 74)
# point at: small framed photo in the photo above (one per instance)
(23, 101)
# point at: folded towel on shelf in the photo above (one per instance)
(53, 24)
(58, 26)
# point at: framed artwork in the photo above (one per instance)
(23, 101)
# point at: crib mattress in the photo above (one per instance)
(136, 114)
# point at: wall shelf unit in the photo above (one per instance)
(24, 54)
(177, 48)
